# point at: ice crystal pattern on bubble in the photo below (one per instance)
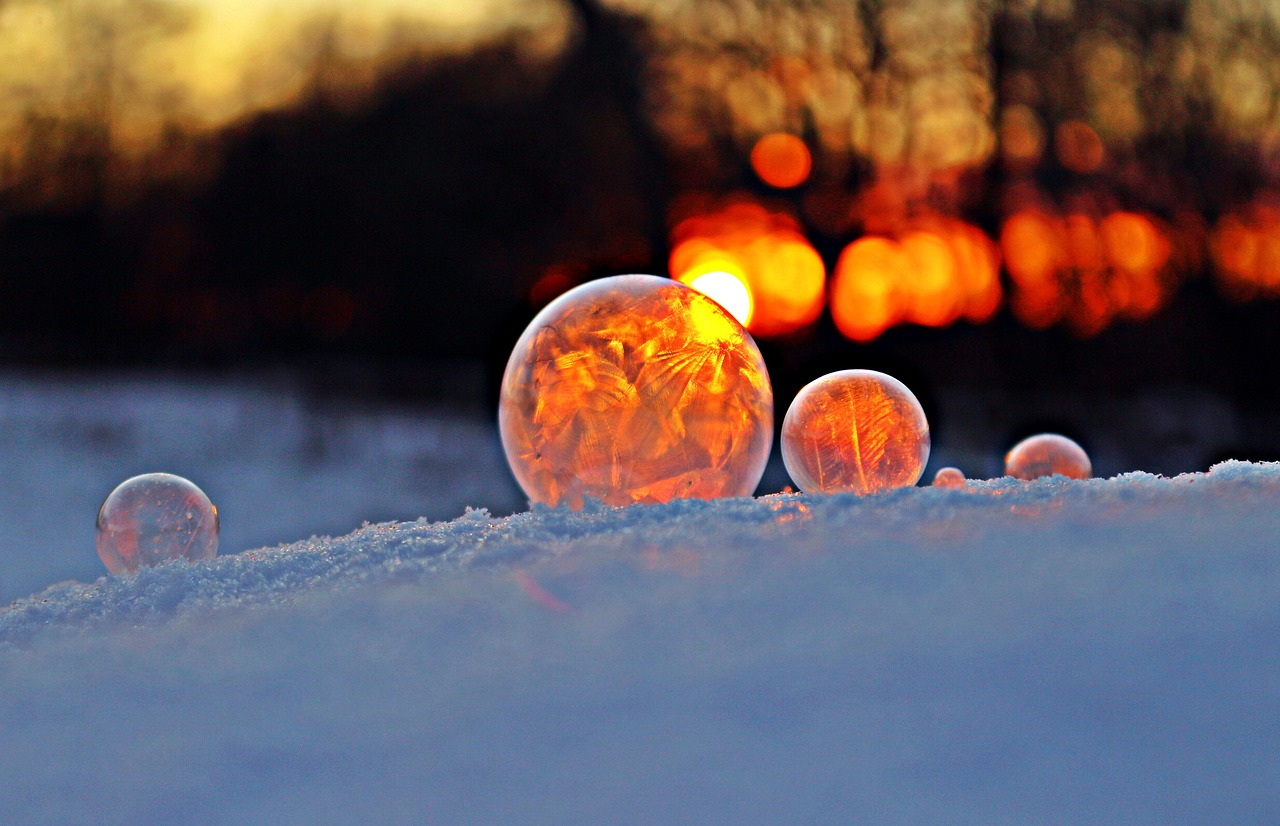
(855, 430)
(635, 389)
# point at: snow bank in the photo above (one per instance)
(279, 463)
(1102, 651)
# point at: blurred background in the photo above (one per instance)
(1039, 214)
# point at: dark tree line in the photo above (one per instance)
(416, 225)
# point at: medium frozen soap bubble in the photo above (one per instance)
(855, 430)
(635, 389)
(155, 518)
(1046, 454)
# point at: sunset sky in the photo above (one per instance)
(202, 63)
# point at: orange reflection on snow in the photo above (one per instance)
(679, 560)
(784, 277)
(934, 274)
(1084, 272)
(788, 510)
(535, 591)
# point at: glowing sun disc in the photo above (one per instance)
(727, 290)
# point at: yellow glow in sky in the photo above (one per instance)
(138, 66)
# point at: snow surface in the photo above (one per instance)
(1104, 652)
(279, 462)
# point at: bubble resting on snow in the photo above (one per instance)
(723, 533)
(855, 430)
(1047, 454)
(156, 518)
(635, 389)
(324, 465)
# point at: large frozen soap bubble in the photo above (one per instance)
(155, 518)
(855, 430)
(635, 389)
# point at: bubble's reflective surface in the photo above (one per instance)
(948, 477)
(635, 389)
(155, 518)
(855, 430)
(1046, 454)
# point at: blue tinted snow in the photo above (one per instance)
(1104, 651)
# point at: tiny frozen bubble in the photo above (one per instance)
(949, 477)
(855, 430)
(155, 518)
(1047, 454)
(635, 389)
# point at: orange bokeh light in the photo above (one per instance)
(1083, 271)
(784, 276)
(1079, 147)
(781, 160)
(1021, 136)
(933, 275)
(977, 270)
(865, 296)
(1246, 252)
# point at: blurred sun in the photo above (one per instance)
(768, 256)
(727, 290)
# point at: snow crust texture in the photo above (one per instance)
(1105, 651)
(278, 462)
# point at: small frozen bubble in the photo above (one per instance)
(949, 477)
(155, 518)
(1047, 454)
(855, 430)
